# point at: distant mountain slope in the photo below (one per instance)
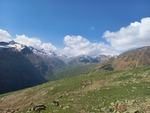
(128, 60)
(81, 64)
(16, 71)
(134, 58)
(84, 59)
(76, 70)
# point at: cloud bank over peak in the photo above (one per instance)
(74, 45)
(34, 42)
(77, 45)
(23, 39)
(135, 35)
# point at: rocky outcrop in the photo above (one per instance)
(128, 106)
(38, 108)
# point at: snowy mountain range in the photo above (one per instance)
(51, 54)
(22, 66)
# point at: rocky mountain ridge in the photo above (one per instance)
(50, 54)
(21, 63)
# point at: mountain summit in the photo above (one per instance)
(133, 58)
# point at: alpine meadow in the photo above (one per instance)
(74, 56)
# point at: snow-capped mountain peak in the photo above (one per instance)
(50, 54)
(12, 44)
(17, 46)
(42, 52)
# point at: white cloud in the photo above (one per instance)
(34, 42)
(137, 34)
(76, 41)
(22, 39)
(5, 36)
(77, 45)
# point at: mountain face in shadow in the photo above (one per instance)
(22, 66)
(16, 71)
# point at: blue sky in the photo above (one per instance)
(52, 20)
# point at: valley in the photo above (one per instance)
(97, 92)
(74, 85)
(23, 66)
(74, 56)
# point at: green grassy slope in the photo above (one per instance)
(75, 70)
(105, 92)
